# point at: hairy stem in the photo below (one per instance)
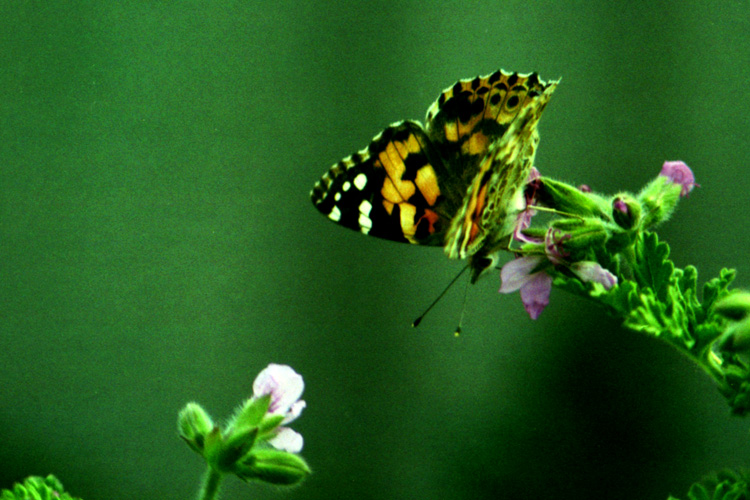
(210, 487)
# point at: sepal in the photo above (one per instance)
(659, 199)
(273, 466)
(234, 447)
(584, 236)
(571, 200)
(251, 412)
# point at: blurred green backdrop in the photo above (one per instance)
(157, 245)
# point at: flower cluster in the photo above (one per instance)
(590, 235)
(255, 444)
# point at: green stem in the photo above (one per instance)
(210, 487)
(712, 365)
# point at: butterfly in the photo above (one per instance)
(456, 182)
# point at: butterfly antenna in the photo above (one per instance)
(463, 310)
(416, 322)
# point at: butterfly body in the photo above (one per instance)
(457, 182)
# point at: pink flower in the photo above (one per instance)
(285, 387)
(535, 286)
(589, 271)
(679, 173)
(523, 219)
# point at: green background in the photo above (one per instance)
(157, 245)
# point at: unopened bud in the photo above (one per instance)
(273, 466)
(736, 337)
(569, 199)
(193, 424)
(659, 199)
(734, 306)
(626, 211)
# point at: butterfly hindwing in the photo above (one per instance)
(472, 114)
(389, 189)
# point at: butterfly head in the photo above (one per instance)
(483, 262)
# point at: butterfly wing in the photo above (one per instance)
(495, 194)
(389, 189)
(410, 184)
(474, 113)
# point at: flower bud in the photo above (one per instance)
(582, 237)
(736, 338)
(679, 173)
(569, 199)
(734, 306)
(589, 271)
(273, 466)
(193, 424)
(626, 211)
(659, 199)
(235, 446)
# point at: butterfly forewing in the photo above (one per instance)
(390, 189)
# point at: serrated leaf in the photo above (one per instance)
(717, 287)
(688, 281)
(645, 314)
(698, 492)
(654, 267)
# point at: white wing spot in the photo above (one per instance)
(337, 197)
(360, 181)
(335, 214)
(364, 223)
(345, 186)
(365, 207)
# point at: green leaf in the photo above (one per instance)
(654, 269)
(37, 488)
(717, 287)
(698, 492)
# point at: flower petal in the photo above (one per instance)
(287, 440)
(592, 271)
(523, 221)
(679, 173)
(620, 205)
(294, 411)
(533, 175)
(283, 384)
(535, 293)
(517, 272)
